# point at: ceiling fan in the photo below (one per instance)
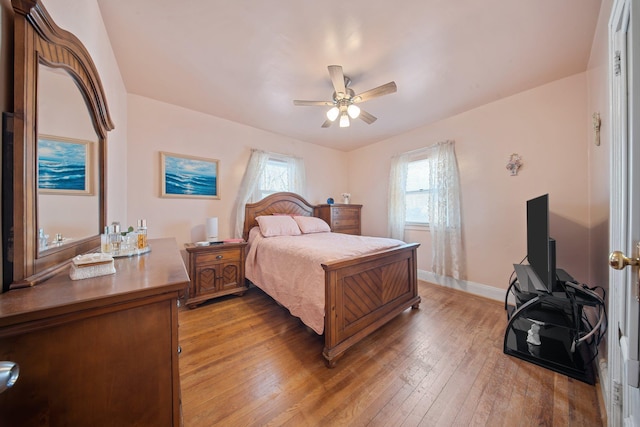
(344, 101)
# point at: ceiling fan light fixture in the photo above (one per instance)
(354, 111)
(332, 114)
(342, 104)
(344, 120)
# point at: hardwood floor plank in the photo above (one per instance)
(247, 362)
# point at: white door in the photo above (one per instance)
(623, 400)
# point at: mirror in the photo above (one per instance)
(42, 52)
(68, 202)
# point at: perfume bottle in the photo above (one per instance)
(115, 238)
(142, 233)
(105, 241)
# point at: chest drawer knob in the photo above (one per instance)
(219, 257)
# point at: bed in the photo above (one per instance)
(361, 293)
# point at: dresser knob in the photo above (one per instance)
(219, 257)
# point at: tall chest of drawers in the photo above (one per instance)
(342, 218)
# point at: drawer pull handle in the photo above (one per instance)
(219, 257)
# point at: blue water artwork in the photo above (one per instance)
(62, 165)
(187, 176)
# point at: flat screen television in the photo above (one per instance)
(541, 249)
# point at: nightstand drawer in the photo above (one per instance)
(221, 255)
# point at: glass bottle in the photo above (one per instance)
(105, 241)
(115, 238)
(142, 233)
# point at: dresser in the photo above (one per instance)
(215, 270)
(342, 218)
(98, 351)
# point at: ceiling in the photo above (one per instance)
(246, 60)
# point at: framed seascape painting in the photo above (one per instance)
(64, 166)
(189, 176)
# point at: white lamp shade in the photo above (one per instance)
(354, 111)
(344, 121)
(332, 114)
(212, 229)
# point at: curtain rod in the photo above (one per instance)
(418, 150)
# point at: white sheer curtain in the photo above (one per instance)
(444, 212)
(251, 180)
(443, 206)
(297, 175)
(397, 186)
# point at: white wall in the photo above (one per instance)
(83, 19)
(599, 168)
(598, 163)
(155, 126)
(546, 127)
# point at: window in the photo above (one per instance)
(277, 173)
(417, 192)
(268, 173)
(275, 178)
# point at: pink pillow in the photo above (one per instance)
(311, 224)
(272, 226)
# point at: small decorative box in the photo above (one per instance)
(91, 265)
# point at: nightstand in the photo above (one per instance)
(215, 270)
(342, 218)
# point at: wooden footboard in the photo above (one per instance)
(364, 293)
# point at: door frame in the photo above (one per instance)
(623, 395)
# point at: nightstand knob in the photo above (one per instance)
(219, 257)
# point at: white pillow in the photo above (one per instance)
(311, 224)
(272, 226)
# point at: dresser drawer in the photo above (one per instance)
(221, 255)
(345, 223)
(345, 214)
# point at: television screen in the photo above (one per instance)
(540, 248)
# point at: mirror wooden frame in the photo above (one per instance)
(38, 40)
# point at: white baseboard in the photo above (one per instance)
(463, 285)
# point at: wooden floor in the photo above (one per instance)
(246, 362)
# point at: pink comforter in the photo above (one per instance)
(288, 267)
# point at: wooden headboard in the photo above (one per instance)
(285, 203)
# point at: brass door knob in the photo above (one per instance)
(618, 260)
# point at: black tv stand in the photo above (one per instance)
(547, 328)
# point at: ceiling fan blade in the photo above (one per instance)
(327, 123)
(312, 103)
(366, 117)
(376, 92)
(337, 78)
